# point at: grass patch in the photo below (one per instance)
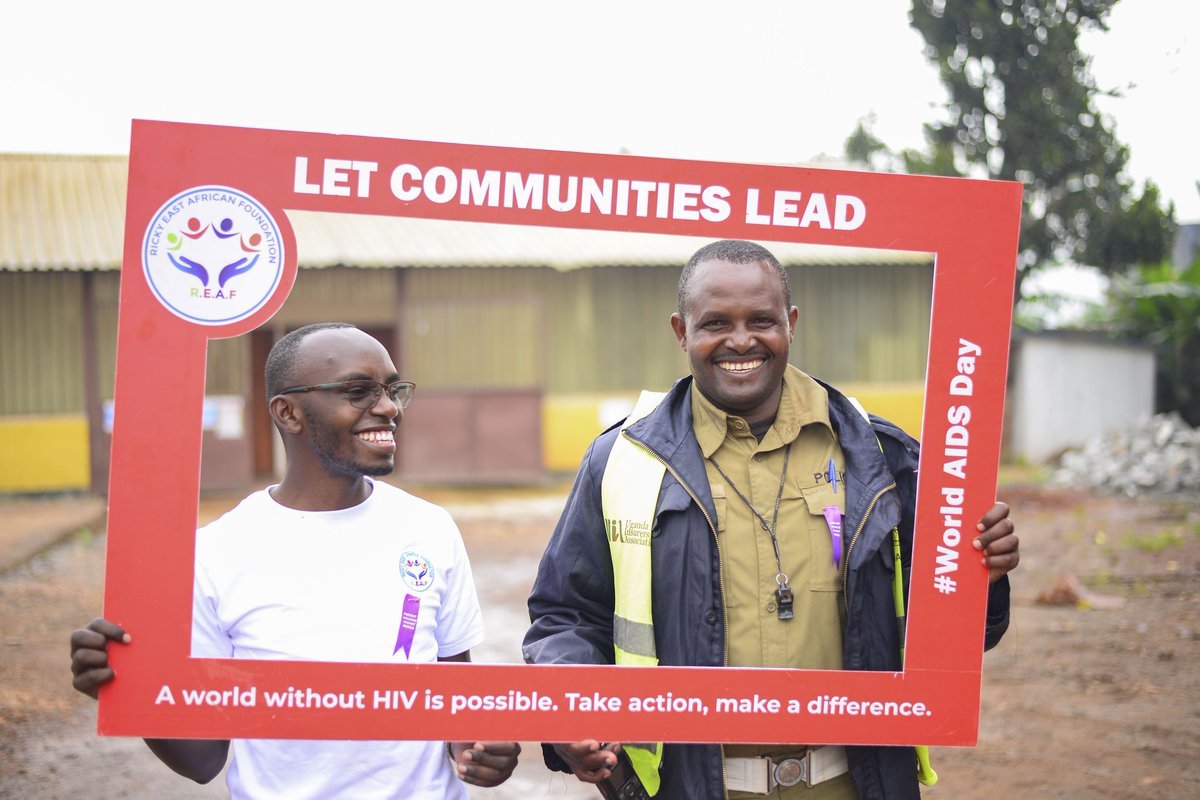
(1155, 543)
(1021, 473)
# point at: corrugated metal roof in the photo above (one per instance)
(67, 213)
(61, 212)
(328, 240)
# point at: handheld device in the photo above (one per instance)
(623, 783)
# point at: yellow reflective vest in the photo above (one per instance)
(629, 496)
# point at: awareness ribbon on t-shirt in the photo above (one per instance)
(408, 624)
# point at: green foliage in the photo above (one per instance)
(1155, 543)
(864, 147)
(1021, 107)
(939, 160)
(1138, 234)
(1161, 305)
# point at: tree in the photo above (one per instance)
(1160, 304)
(1021, 107)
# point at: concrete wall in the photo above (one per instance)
(1065, 389)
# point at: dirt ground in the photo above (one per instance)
(1098, 698)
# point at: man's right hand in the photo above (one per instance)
(589, 760)
(89, 654)
(198, 759)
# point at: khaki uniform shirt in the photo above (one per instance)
(755, 635)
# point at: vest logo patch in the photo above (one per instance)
(627, 531)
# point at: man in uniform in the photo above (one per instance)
(772, 501)
(328, 565)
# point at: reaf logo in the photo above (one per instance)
(212, 255)
(196, 230)
(416, 571)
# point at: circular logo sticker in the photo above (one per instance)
(213, 255)
(416, 571)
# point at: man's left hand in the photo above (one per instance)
(484, 763)
(998, 542)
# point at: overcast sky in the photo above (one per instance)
(763, 82)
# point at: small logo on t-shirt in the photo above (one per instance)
(416, 571)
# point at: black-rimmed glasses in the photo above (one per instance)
(364, 393)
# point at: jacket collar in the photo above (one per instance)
(869, 481)
(667, 431)
(669, 426)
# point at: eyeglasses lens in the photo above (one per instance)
(400, 394)
(365, 394)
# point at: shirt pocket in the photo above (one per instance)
(826, 573)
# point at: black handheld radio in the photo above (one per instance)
(623, 783)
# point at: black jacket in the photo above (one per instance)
(571, 605)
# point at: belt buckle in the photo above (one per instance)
(791, 771)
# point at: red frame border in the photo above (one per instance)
(971, 227)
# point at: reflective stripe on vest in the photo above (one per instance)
(629, 496)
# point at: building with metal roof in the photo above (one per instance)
(524, 342)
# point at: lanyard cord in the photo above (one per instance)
(780, 577)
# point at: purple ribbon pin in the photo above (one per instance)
(408, 624)
(833, 518)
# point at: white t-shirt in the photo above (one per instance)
(277, 583)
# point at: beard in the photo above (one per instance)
(326, 442)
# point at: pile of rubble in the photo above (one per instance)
(1158, 456)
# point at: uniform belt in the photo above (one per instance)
(762, 775)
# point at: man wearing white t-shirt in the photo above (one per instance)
(328, 565)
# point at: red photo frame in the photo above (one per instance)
(970, 226)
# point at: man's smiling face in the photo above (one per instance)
(737, 333)
(348, 441)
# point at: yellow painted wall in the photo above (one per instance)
(44, 453)
(902, 403)
(570, 422)
(50, 453)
